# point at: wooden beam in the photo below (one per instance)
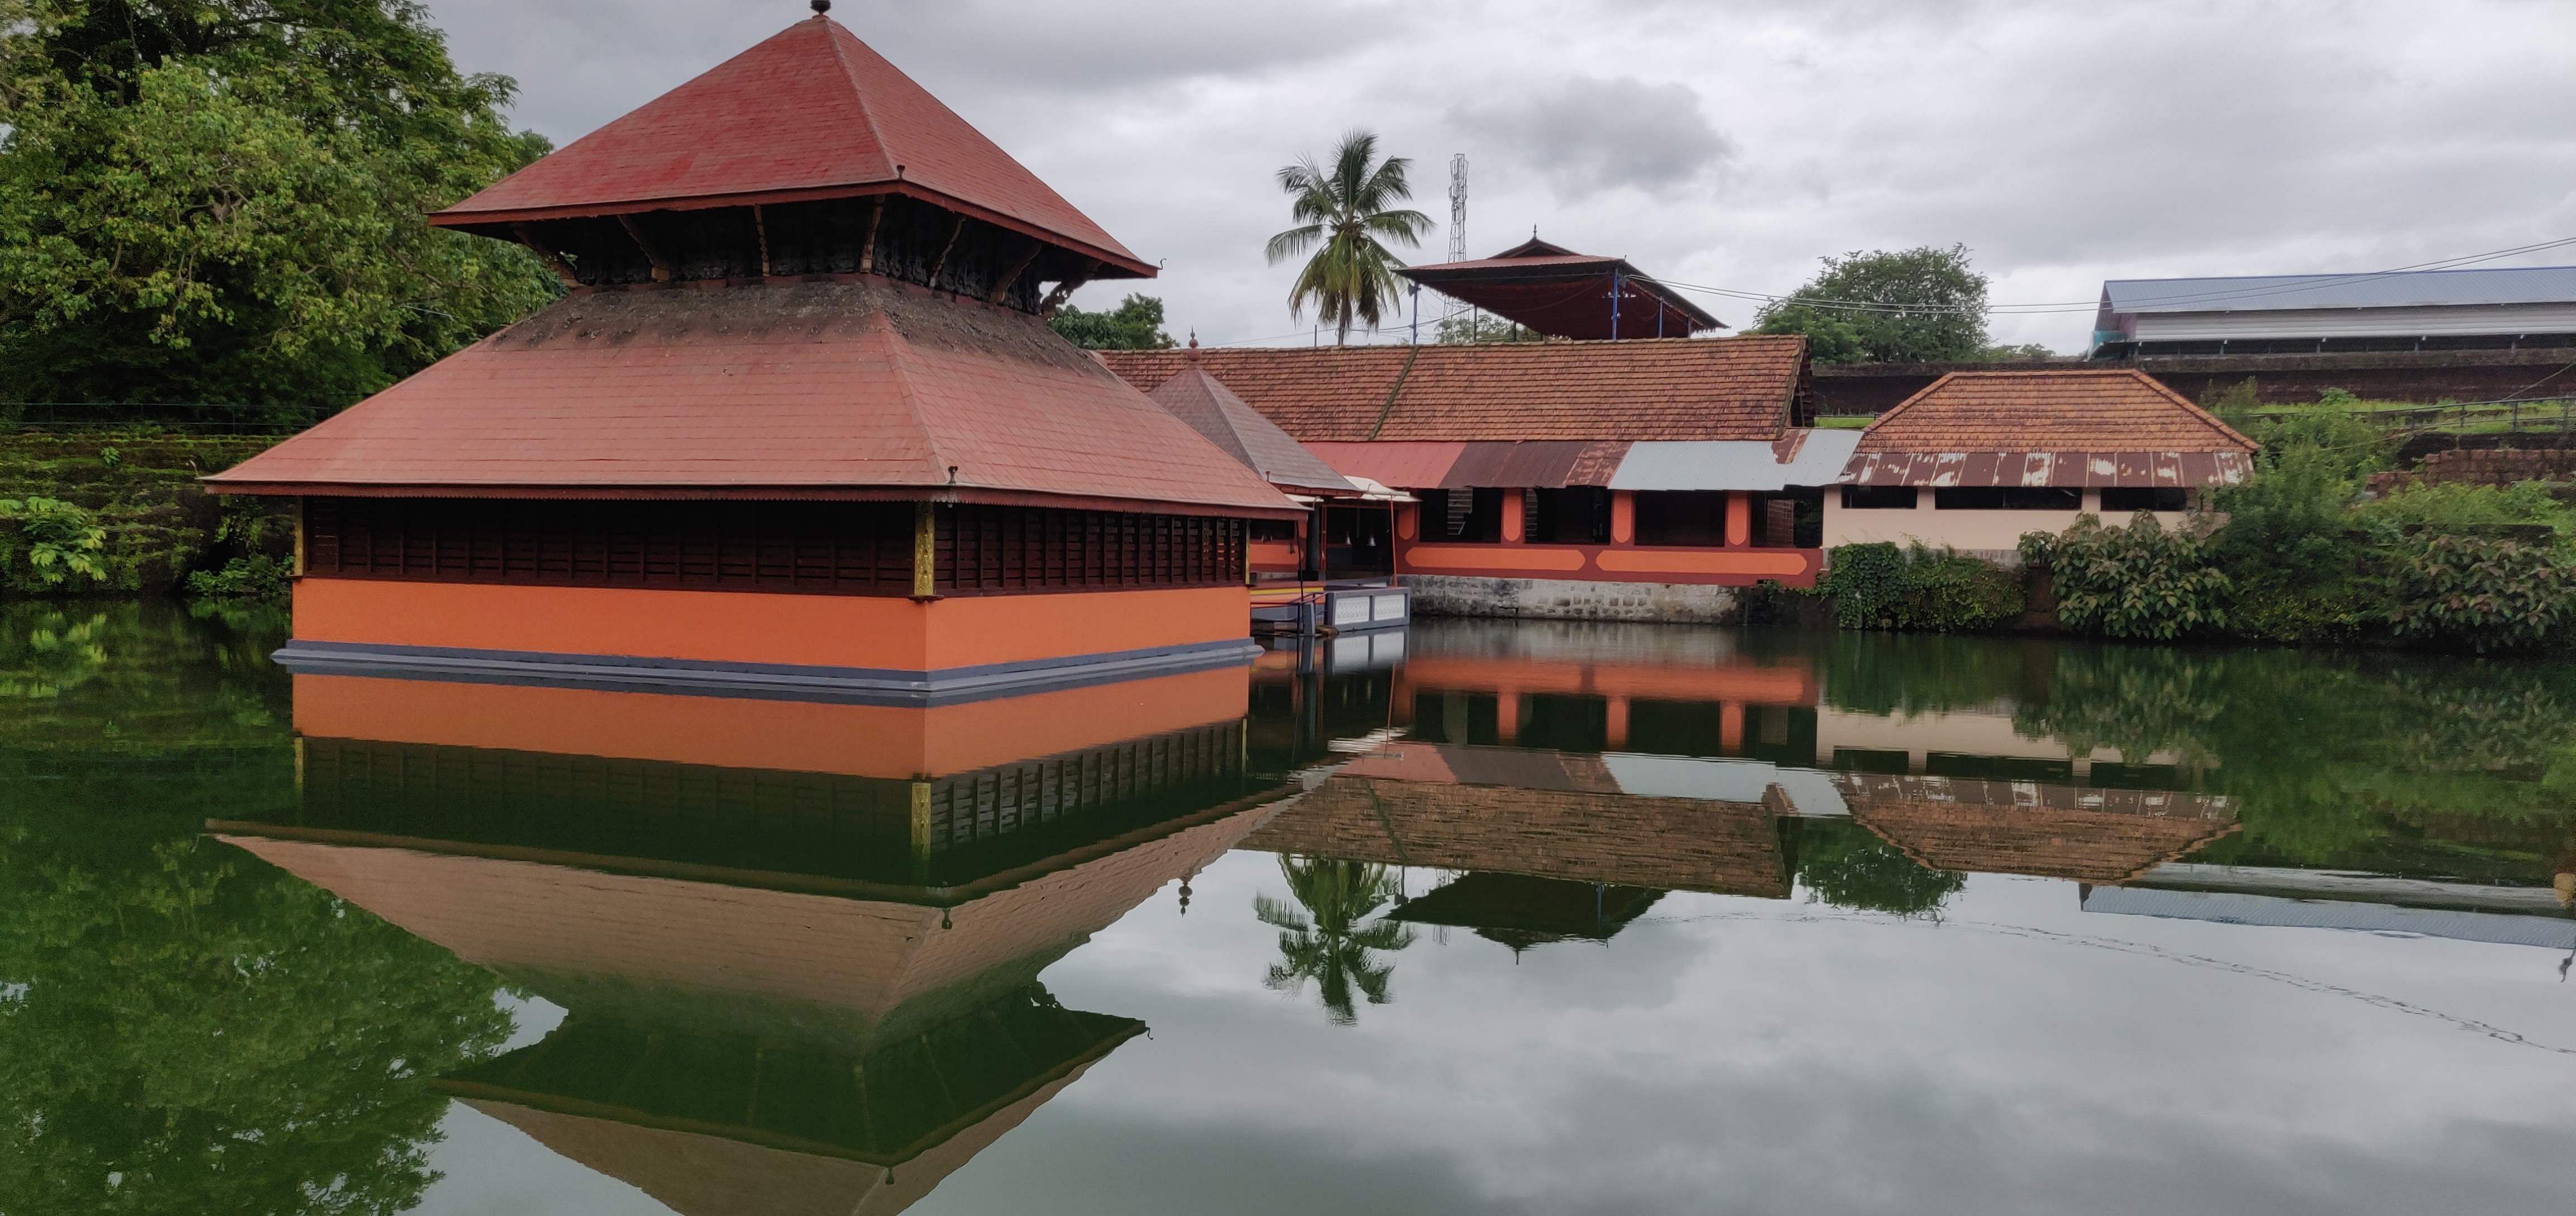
(661, 265)
(1055, 299)
(940, 263)
(760, 232)
(925, 552)
(553, 260)
(868, 251)
(1002, 286)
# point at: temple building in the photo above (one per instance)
(1979, 458)
(1637, 480)
(798, 423)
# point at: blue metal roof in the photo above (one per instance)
(2387, 289)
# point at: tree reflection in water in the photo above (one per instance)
(1842, 864)
(1327, 943)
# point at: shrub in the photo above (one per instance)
(2481, 594)
(2453, 506)
(56, 545)
(2134, 582)
(1879, 586)
(258, 577)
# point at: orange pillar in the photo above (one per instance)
(1511, 517)
(1739, 519)
(1618, 728)
(1507, 715)
(1623, 517)
(1730, 726)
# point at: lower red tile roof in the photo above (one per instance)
(849, 388)
(1668, 389)
(2111, 410)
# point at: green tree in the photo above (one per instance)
(1843, 865)
(1474, 328)
(1905, 306)
(1344, 214)
(1136, 324)
(1327, 943)
(223, 199)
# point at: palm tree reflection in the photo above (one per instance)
(1327, 943)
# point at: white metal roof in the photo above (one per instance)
(1818, 460)
(2390, 289)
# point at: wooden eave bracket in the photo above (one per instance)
(554, 261)
(1002, 286)
(940, 263)
(652, 252)
(1055, 299)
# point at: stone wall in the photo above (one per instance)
(2425, 376)
(1573, 600)
(2487, 467)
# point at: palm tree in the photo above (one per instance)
(1332, 948)
(1343, 214)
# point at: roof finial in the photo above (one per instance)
(1192, 354)
(822, 6)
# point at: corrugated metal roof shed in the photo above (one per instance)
(2396, 289)
(1810, 458)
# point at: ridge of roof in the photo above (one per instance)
(809, 112)
(1930, 396)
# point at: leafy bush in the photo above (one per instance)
(2482, 594)
(2453, 506)
(2288, 547)
(1879, 586)
(258, 577)
(2134, 582)
(53, 545)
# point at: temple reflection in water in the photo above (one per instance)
(798, 944)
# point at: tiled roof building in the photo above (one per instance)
(800, 409)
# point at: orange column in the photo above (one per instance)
(1511, 517)
(1623, 517)
(1730, 726)
(1507, 716)
(1739, 519)
(1618, 728)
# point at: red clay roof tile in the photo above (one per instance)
(791, 389)
(812, 111)
(1214, 410)
(1669, 389)
(2114, 410)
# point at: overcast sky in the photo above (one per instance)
(1721, 142)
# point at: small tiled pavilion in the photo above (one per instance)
(798, 417)
(1979, 458)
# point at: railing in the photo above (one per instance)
(194, 417)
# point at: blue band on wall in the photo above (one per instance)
(769, 681)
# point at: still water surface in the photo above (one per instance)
(1534, 918)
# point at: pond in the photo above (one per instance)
(1476, 917)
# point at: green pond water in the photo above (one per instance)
(1479, 917)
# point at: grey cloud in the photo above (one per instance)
(1589, 134)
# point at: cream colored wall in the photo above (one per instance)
(1990, 531)
(1967, 732)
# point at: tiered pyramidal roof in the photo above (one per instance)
(811, 113)
(796, 276)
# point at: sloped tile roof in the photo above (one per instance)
(804, 389)
(1656, 389)
(1213, 410)
(2115, 410)
(2053, 831)
(811, 112)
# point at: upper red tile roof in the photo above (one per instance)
(2114, 410)
(1564, 294)
(857, 388)
(1213, 410)
(810, 113)
(1714, 388)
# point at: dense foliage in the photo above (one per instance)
(1843, 864)
(1880, 586)
(47, 544)
(2139, 581)
(1136, 324)
(121, 512)
(222, 200)
(1921, 305)
(1473, 328)
(2482, 594)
